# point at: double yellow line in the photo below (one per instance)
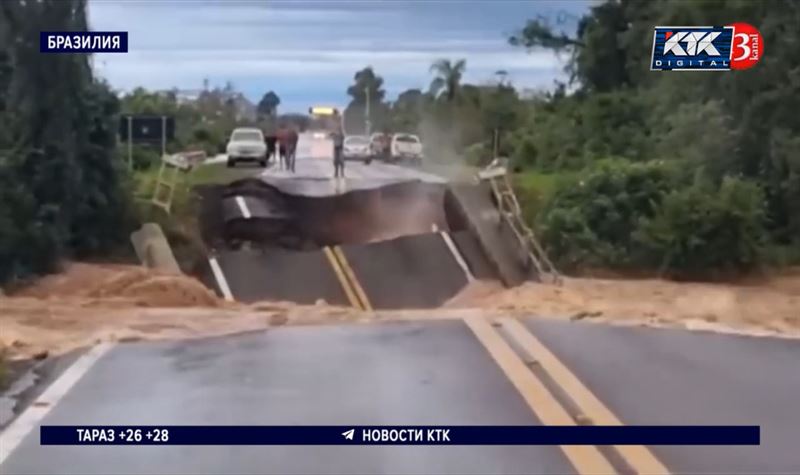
(585, 459)
(347, 278)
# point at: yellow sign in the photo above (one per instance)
(323, 111)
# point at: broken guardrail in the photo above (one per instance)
(496, 173)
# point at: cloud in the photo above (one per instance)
(308, 50)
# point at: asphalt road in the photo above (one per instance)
(314, 174)
(434, 372)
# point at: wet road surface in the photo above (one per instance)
(313, 175)
(434, 372)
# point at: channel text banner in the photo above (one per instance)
(400, 435)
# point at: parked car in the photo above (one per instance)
(247, 144)
(406, 146)
(356, 147)
(379, 144)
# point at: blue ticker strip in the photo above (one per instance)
(400, 435)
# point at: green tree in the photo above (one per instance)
(407, 110)
(62, 190)
(366, 84)
(741, 124)
(268, 105)
(447, 78)
(598, 60)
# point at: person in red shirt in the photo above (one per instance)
(287, 145)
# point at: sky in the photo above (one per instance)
(308, 51)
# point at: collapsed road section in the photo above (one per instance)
(399, 238)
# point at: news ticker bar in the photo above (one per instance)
(399, 435)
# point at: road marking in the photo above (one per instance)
(585, 458)
(243, 207)
(222, 282)
(457, 255)
(32, 416)
(640, 458)
(362, 296)
(337, 269)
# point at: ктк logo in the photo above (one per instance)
(706, 48)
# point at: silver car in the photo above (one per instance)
(356, 147)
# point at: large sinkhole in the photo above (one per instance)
(397, 245)
(256, 214)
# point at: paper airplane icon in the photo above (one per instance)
(348, 434)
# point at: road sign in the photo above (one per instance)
(323, 110)
(146, 128)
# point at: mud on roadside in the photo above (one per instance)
(91, 303)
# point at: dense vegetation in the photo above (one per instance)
(684, 174)
(710, 173)
(61, 193)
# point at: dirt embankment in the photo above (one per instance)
(90, 303)
(120, 285)
(771, 305)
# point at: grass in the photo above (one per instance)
(543, 183)
(220, 173)
(535, 190)
(203, 174)
(181, 225)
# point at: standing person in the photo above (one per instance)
(291, 148)
(282, 137)
(338, 156)
(270, 140)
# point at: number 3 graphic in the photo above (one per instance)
(748, 41)
(743, 45)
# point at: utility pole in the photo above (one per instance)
(130, 142)
(366, 117)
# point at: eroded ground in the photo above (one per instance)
(91, 303)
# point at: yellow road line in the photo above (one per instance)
(585, 458)
(640, 458)
(351, 296)
(348, 271)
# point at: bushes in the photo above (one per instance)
(564, 133)
(143, 157)
(699, 230)
(208, 139)
(625, 215)
(590, 221)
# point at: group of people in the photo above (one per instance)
(285, 143)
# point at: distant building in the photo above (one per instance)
(245, 110)
(187, 96)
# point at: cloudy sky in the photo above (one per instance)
(308, 51)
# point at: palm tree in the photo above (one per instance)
(448, 77)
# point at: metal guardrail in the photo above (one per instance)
(169, 174)
(511, 212)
